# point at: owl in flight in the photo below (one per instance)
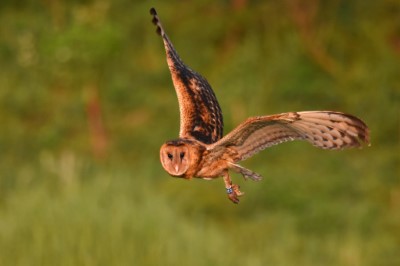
(201, 151)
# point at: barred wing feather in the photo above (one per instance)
(323, 129)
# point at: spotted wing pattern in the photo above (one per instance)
(200, 113)
(323, 129)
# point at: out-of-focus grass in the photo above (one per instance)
(86, 100)
(66, 211)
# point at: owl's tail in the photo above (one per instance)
(245, 172)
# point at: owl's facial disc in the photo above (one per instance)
(175, 158)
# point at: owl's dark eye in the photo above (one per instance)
(182, 154)
(169, 155)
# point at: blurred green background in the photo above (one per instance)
(86, 100)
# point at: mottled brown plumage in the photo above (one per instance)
(202, 152)
(200, 113)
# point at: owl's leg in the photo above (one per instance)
(246, 173)
(232, 189)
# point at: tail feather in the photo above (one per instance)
(245, 172)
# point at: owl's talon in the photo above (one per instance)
(237, 191)
(235, 200)
(233, 193)
(233, 197)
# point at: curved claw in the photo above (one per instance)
(233, 197)
(234, 193)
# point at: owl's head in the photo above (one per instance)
(175, 157)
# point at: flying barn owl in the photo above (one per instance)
(201, 151)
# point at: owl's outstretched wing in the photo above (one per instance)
(323, 129)
(200, 113)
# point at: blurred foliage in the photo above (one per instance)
(86, 100)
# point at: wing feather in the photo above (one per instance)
(323, 129)
(200, 113)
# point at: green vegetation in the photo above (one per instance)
(86, 101)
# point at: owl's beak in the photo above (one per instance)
(176, 168)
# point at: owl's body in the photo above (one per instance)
(201, 151)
